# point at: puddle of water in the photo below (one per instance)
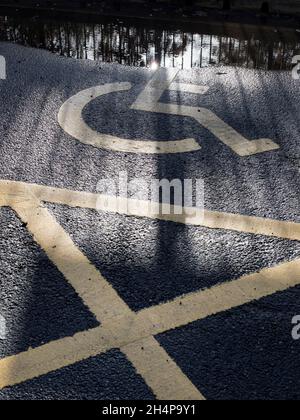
(148, 45)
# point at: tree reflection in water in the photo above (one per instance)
(145, 46)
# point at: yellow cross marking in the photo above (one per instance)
(132, 333)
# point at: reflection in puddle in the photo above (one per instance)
(137, 45)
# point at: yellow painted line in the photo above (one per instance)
(98, 295)
(120, 327)
(143, 355)
(48, 358)
(148, 101)
(138, 208)
(199, 305)
(114, 333)
(135, 339)
(94, 290)
(71, 120)
(251, 224)
(133, 333)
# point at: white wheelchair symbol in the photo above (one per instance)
(71, 120)
(2, 328)
(296, 69)
(2, 68)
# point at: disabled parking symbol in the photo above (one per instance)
(71, 120)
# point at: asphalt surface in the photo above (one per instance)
(245, 353)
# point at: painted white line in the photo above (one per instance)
(187, 87)
(48, 358)
(3, 74)
(71, 120)
(148, 101)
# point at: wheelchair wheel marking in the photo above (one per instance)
(70, 119)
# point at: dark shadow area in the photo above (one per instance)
(246, 353)
(226, 4)
(106, 377)
(265, 8)
(36, 300)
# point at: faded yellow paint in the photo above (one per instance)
(133, 333)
